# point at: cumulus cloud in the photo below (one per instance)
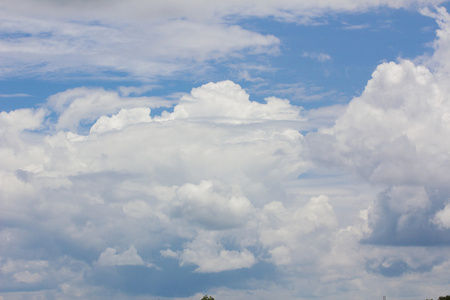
(195, 181)
(392, 132)
(404, 216)
(220, 187)
(283, 231)
(123, 118)
(442, 217)
(128, 257)
(209, 255)
(82, 106)
(211, 204)
(227, 102)
(26, 271)
(392, 135)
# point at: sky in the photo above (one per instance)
(247, 149)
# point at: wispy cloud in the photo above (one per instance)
(320, 56)
(143, 51)
(14, 95)
(356, 27)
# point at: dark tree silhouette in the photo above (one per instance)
(444, 297)
(206, 297)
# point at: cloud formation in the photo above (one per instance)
(108, 194)
(141, 39)
(202, 174)
(392, 135)
(128, 257)
(44, 45)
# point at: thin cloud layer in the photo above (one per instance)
(144, 39)
(36, 46)
(200, 9)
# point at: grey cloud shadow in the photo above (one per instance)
(398, 267)
(417, 229)
(175, 281)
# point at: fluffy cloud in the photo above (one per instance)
(26, 271)
(123, 118)
(284, 231)
(82, 106)
(195, 184)
(392, 135)
(210, 256)
(227, 102)
(408, 216)
(211, 204)
(204, 186)
(442, 217)
(128, 257)
(220, 191)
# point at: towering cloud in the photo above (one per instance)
(393, 135)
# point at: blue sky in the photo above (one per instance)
(239, 149)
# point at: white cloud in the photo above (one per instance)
(129, 257)
(16, 266)
(216, 185)
(187, 174)
(210, 256)
(323, 116)
(212, 204)
(28, 277)
(356, 27)
(19, 150)
(302, 92)
(123, 118)
(227, 102)
(247, 77)
(392, 135)
(81, 106)
(145, 39)
(138, 209)
(392, 132)
(202, 9)
(13, 95)
(49, 46)
(28, 272)
(16, 121)
(438, 61)
(320, 56)
(126, 91)
(442, 217)
(284, 231)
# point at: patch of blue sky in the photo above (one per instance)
(35, 92)
(14, 35)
